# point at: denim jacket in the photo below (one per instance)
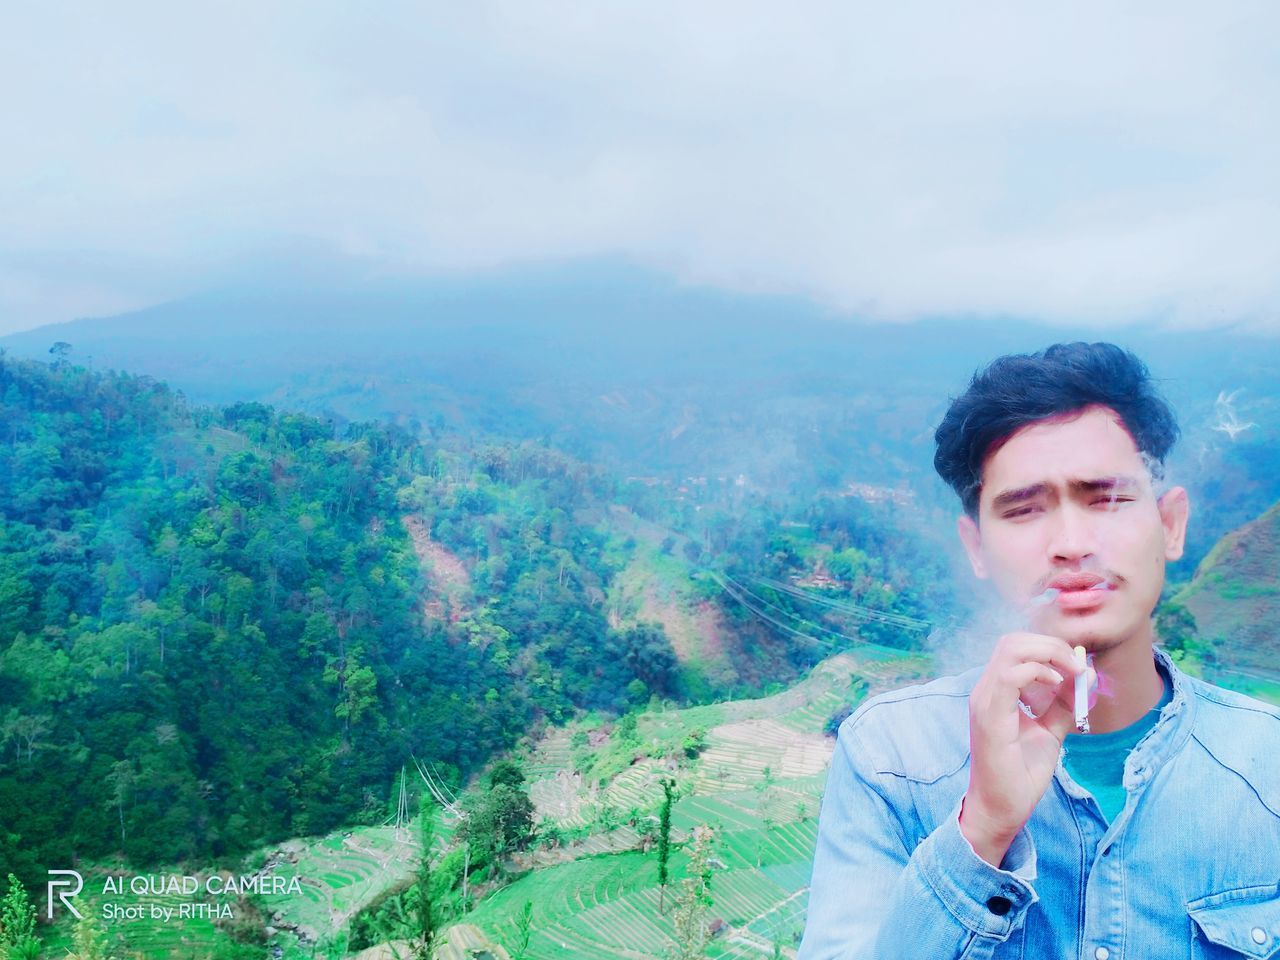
(1189, 868)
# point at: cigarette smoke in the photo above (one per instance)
(1228, 422)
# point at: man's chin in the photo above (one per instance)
(1094, 633)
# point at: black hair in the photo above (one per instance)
(1020, 389)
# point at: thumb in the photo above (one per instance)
(1059, 719)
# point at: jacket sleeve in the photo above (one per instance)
(873, 897)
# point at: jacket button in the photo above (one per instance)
(999, 905)
(1259, 935)
(1101, 953)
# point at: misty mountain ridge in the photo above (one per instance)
(657, 379)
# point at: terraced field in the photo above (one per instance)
(757, 783)
(177, 938)
(554, 753)
(607, 906)
(339, 875)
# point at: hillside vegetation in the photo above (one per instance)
(221, 628)
(748, 774)
(1229, 612)
(241, 638)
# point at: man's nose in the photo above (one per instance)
(1072, 536)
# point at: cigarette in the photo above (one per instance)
(1082, 694)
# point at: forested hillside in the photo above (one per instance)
(1227, 614)
(225, 627)
(210, 627)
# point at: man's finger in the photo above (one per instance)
(1012, 680)
(1014, 683)
(1027, 647)
(1038, 696)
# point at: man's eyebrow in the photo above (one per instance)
(1115, 484)
(1009, 497)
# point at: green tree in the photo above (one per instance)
(664, 839)
(694, 743)
(60, 351)
(647, 653)
(357, 688)
(693, 932)
(625, 730)
(16, 597)
(18, 922)
(506, 772)
(524, 931)
(121, 781)
(426, 912)
(1177, 629)
(497, 822)
(89, 941)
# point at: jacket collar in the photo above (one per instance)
(1162, 742)
(1170, 732)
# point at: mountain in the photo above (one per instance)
(651, 378)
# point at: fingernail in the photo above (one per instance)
(1058, 678)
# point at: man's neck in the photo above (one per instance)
(1129, 684)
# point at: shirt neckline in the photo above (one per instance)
(1132, 732)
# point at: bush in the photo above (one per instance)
(832, 727)
(694, 743)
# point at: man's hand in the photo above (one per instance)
(1013, 755)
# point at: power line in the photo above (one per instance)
(846, 606)
(753, 602)
(785, 612)
(778, 623)
(438, 789)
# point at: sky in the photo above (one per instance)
(1093, 163)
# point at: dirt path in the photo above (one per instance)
(444, 571)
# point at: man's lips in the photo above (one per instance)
(1068, 582)
(1081, 599)
(1079, 590)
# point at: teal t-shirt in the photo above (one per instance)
(1096, 760)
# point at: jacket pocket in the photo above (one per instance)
(1236, 923)
(989, 948)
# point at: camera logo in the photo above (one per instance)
(72, 877)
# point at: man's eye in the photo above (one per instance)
(1111, 502)
(1020, 512)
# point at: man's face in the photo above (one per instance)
(1068, 503)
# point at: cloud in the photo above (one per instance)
(1091, 162)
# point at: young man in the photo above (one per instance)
(966, 818)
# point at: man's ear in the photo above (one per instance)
(1174, 508)
(971, 537)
